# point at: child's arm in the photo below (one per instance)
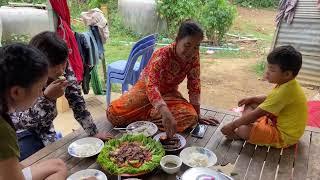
(243, 120)
(250, 117)
(252, 100)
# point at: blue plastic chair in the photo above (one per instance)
(139, 66)
(126, 78)
(118, 67)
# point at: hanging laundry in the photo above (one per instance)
(95, 17)
(64, 31)
(97, 37)
(286, 11)
(85, 55)
(93, 48)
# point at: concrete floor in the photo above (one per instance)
(65, 121)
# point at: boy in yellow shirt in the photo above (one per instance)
(279, 119)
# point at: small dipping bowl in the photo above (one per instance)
(171, 164)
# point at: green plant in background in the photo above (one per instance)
(5, 2)
(174, 12)
(260, 67)
(217, 17)
(24, 38)
(257, 3)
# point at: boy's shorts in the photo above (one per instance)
(265, 133)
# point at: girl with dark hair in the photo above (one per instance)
(155, 96)
(34, 126)
(23, 74)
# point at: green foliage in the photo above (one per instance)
(217, 18)
(76, 8)
(257, 3)
(112, 5)
(24, 38)
(5, 2)
(174, 12)
(96, 3)
(260, 67)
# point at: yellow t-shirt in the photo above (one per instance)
(288, 103)
(8, 141)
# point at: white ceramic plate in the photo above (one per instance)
(144, 127)
(204, 173)
(183, 141)
(198, 157)
(85, 147)
(88, 173)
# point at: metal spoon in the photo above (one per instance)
(117, 128)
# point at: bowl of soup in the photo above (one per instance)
(171, 164)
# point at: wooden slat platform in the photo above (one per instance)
(250, 161)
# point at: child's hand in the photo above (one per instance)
(228, 129)
(56, 89)
(245, 101)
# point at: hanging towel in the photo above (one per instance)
(95, 17)
(286, 11)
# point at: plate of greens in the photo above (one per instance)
(131, 155)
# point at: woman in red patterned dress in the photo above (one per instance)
(155, 97)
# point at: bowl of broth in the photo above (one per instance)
(171, 164)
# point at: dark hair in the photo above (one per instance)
(189, 28)
(52, 46)
(287, 57)
(20, 65)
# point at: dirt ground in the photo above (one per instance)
(260, 20)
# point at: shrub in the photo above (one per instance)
(217, 18)
(176, 11)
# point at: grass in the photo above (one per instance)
(222, 54)
(259, 67)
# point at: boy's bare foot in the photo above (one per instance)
(233, 136)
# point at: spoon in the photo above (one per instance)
(117, 128)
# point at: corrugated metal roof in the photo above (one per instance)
(304, 34)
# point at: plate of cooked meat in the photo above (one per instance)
(175, 143)
(131, 155)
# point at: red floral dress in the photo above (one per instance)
(158, 85)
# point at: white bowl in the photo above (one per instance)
(171, 159)
(189, 155)
(88, 173)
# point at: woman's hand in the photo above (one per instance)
(104, 136)
(168, 121)
(208, 120)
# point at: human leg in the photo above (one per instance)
(262, 132)
(130, 107)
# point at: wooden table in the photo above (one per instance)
(250, 161)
